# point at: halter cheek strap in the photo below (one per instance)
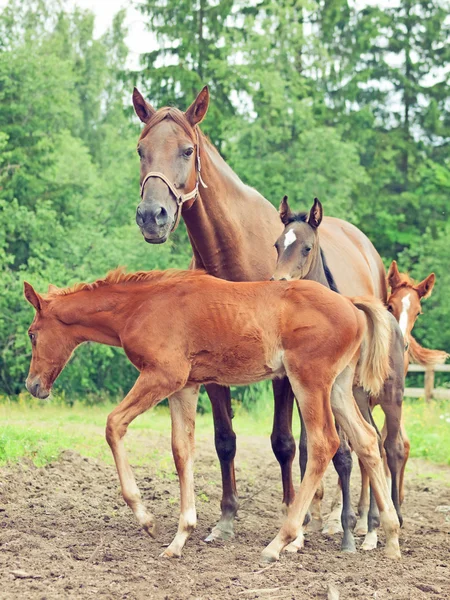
(179, 197)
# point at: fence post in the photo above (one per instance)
(429, 383)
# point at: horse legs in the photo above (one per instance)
(343, 463)
(364, 502)
(364, 440)
(283, 444)
(149, 389)
(323, 441)
(225, 441)
(407, 449)
(183, 406)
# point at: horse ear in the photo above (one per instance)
(393, 276)
(32, 297)
(285, 211)
(52, 288)
(143, 109)
(197, 110)
(425, 287)
(315, 214)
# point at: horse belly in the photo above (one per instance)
(241, 364)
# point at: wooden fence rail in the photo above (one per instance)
(429, 391)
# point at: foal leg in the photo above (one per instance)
(323, 441)
(407, 449)
(343, 463)
(183, 406)
(225, 441)
(313, 518)
(364, 441)
(149, 389)
(283, 444)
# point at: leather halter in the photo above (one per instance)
(180, 198)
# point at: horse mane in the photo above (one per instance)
(328, 274)
(424, 356)
(119, 276)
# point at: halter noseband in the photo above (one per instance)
(180, 198)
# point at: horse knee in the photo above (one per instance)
(115, 429)
(323, 450)
(283, 446)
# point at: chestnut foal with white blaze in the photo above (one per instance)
(266, 330)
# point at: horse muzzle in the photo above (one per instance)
(154, 222)
(36, 388)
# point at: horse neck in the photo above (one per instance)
(221, 224)
(317, 270)
(94, 315)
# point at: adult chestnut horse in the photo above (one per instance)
(232, 230)
(169, 323)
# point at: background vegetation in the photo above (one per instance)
(308, 98)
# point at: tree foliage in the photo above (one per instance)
(309, 98)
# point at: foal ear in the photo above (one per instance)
(197, 110)
(315, 214)
(32, 297)
(393, 276)
(143, 109)
(425, 287)
(285, 211)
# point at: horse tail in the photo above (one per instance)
(424, 356)
(373, 364)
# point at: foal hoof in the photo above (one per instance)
(168, 553)
(361, 527)
(269, 556)
(150, 528)
(348, 546)
(392, 549)
(332, 527)
(296, 545)
(370, 542)
(220, 533)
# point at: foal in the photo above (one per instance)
(229, 333)
(300, 256)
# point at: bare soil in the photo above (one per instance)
(66, 533)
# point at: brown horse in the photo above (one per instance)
(404, 302)
(266, 330)
(232, 230)
(301, 256)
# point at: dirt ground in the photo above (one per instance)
(66, 533)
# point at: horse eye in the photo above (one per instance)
(390, 308)
(307, 249)
(188, 151)
(32, 337)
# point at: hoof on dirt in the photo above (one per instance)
(332, 528)
(361, 527)
(150, 528)
(370, 543)
(392, 549)
(268, 556)
(349, 547)
(220, 533)
(314, 525)
(168, 553)
(296, 545)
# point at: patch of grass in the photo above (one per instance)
(41, 430)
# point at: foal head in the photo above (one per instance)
(52, 343)
(298, 246)
(167, 146)
(406, 296)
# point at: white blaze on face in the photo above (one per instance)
(403, 321)
(289, 238)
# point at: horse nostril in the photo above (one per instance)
(140, 218)
(283, 279)
(272, 279)
(161, 216)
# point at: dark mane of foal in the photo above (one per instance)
(119, 276)
(302, 217)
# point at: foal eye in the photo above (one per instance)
(390, 308)
(307, 249)
(188, 151)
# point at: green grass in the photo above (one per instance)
(40, 430)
